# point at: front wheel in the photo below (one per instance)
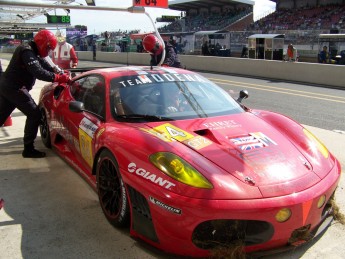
(44, 130)
(111, 190)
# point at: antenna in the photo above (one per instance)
(159, 37)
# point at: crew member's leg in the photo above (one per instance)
(26, 104)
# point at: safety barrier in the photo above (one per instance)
(312, 73)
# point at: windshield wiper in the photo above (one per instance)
(145, 117)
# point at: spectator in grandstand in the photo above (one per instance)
(172, 41)
(94, 50)
(342, 57)
(64, 54)
(140, 47)
(217, 47)
(291, 54)
(324, 55)
(244, 53)
(117, 48)
(205, 49)
(155, 47)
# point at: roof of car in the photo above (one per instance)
(135, 70)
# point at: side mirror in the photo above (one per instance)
(75, 106)
(243, 95)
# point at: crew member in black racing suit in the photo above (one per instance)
(26, 65)
(154, 46)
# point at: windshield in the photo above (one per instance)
(169, 97)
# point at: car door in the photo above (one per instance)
(82, 126)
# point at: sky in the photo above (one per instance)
(100, 21)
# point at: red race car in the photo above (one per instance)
(188, 168)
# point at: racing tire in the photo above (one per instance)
(112, 193)
(44, 130)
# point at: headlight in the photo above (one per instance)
(283, 215)
(321, 201)
(321, 147)
(179, 169)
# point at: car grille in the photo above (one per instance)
(224, 233)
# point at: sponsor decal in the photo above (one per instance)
(160, 78)
(32, 62)
(217, 125)
(85, 142)
(165, 206)
(124, 200)
(263, 138)
(253, 141)
(88, 127)
(86, 131)
(141, 172)
(198, 142)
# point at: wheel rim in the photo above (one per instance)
(109, 188)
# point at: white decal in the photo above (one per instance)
(132, 168)
(159, 78)
(165, 206)
(88, 127)
(175, 133)
(221, 124)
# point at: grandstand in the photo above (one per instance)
(207, 20)
(202, 15)
(300, 21)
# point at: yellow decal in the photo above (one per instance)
(198, 142)
(85, 146)
(157, 134)
(100, 132)
(173, 133)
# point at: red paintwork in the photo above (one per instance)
(285, 173)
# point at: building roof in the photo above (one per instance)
(183, 5)
(266, 36)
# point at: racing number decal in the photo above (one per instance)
(151, 3)
(173, 133)
(168, 133)
(85, 146)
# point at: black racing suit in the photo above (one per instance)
(15, 83)
(171, 58)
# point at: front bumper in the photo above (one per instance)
(197, 227)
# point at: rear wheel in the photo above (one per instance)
(111, 190)
(44, 130)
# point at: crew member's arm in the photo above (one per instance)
(74, 57)
(38, 68)
(169, 57)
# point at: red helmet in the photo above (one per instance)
(152, 44)
(45, 41)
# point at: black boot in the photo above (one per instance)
(31, 152)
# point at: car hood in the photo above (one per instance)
(248, 148)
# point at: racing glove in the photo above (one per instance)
(62, 78)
